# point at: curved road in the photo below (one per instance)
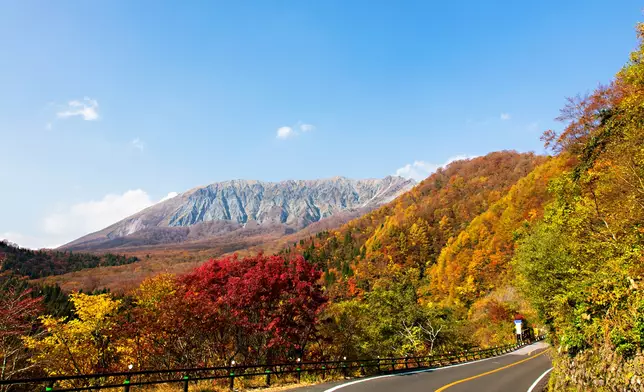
(516, 371)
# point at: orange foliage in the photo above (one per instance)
(478, 260)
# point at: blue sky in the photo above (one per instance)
(107, 106)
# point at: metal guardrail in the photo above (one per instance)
(345, 367)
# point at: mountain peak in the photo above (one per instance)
(225, 207)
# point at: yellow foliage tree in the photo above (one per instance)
(153, 290)
(82, 345)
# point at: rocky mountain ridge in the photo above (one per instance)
(256, 207)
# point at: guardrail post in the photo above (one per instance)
(299, 370)
(393, 364)
(344, 367)
(126, 384)
(185, 383)
(231, 374)
(379, 370)
(406, 362)
(50, 386)
(268, 377)
(323, 372)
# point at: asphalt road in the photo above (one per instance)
(516, 371)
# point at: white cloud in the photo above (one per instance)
(138, 144)
(31, 242)
(169, 196)
(86, 217)
(79, 219)
(87, 109)
(505, 116)
(285, 132)
(13, 237)
(419, 170)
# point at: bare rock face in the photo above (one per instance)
(225, 207)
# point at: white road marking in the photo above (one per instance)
(412, 372)
(534, 384)
(528, 350)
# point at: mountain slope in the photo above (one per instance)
(477, 260)
(241, 208)
(377, 268)
(412, 230)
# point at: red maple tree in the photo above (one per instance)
(269, 304)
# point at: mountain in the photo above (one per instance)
(242, 209)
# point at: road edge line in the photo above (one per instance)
(534, 384)
(335, 388)
(444, 387)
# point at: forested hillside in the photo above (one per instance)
(582, 266)
(411, 230)
(384, 272)
(40, 263)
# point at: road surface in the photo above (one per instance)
(516, 371)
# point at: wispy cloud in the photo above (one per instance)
(306, 127)
(505, 116)
(138, 144)
(419, 170)
(87, 109)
